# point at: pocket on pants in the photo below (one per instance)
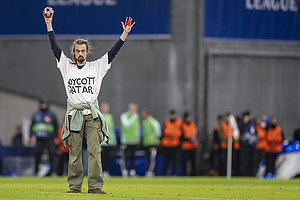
(101, 137)
(96, 125)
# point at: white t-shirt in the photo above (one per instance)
(83, 85)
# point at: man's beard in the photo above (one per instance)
(80, 59)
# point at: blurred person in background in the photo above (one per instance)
(107, 149)
(215, 149)
(151, 139)
(189, 145)
(17, 139)
(44, 127)
(248, 139)
(63, 155)
(224, 130)
(296, 135)
(130, 138)
(170, 142)
(261, 144)
(274, 138)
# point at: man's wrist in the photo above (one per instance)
(49, 27)
(124, 35)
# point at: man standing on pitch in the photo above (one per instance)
(82, 80)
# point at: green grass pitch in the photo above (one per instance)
(212, 188)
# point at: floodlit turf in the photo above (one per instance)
(153, 188)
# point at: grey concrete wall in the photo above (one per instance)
(263, 78)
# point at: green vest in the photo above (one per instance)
(151, 132)
(111, 129)
(130, 128)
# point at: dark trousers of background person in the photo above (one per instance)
(214, 159)
(222, 168)
(151, 152)
(247, 166)
(41, 145)
(170, 154)
(189, 156)
(259, 158)
(106, 155)
(62, 163)
(270, 162)
(235, 162)
(129, 151)
(222, 162)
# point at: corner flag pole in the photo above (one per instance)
(229, 154)
(232, 133)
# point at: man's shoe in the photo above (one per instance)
(97, 191)
(73, 191)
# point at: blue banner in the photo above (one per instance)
(85, 17)
(252, 19)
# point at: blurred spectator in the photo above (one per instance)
(275, 137)
(261, 144)
(107, 149)
(130, 137)
(296, 135)
(62, 154)
(189, 145)
(18, 137)
(170, 142)
(151, 139)
(224, 131)
(215, 150)
(44, 128)
(248, 139)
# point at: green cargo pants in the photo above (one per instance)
(94, 137)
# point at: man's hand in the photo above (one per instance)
(48, 21)
(128, 24)
(126, 28)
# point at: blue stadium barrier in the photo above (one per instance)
(140, 161)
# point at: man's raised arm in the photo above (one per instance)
(126, 29)
(54, 45)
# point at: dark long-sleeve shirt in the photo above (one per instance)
(57, 51)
